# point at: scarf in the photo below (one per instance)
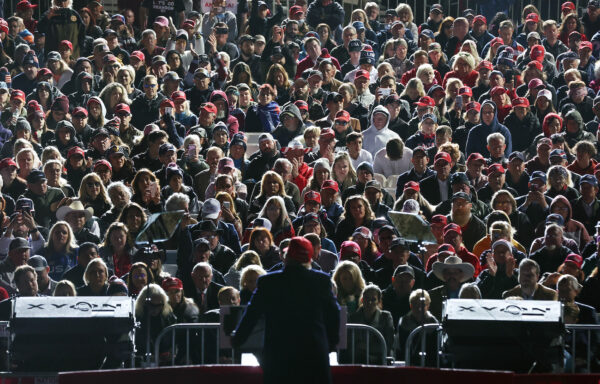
(268, 115)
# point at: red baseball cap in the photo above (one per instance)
(302, 105)
(532, 17)
(171, 282)
(445, 156)
(343, 116)
(479, 19)
(473, 105)
(138, 55)
(496, 40)
(585, 44)
(535, 64)
(8, 162)
(75, 151)
(167, 103)
(327, 134)
(66, 43)
(81, 111)
(535, 84)
(208, 107)
(425, 101)
(102, 162)
(412, 185)
(497, 91)
(122, 107)
(484, 64)
(17, 94)
(495, 168)
(24, 5)
(439, 220)
(452, 228)
(349, 249)
(178, 96)
(568, 5)
(300, 250)
(446, 248)
(475, 156)
(520, 102)
(362, 73)
(312, 196)
(574, 259)
(330, 184)
(465, 91)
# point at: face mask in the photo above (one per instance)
(301, 22)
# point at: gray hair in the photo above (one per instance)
(116, 185)
(496, 136)
(529, 263)
(202, 264)
(469, 291)
(281, 162)
(571, 280)
(148, 32)
(176, 202)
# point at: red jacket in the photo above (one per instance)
(413, 73)
(469, 80)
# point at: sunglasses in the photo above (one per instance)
(150, 85)
(93, 184)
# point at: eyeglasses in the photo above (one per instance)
(93, 184)
(139, 276)
(150, 85)
(339, 122)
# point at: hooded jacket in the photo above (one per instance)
(79, 98)
(581, 134)
(573, 229)
(375, 139)
(281, 133)
(232, 123)
(522, 131)
(477, 138)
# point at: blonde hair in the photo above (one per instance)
(152, 290)
(71, 241)
(91, 264)
(405, 7)
(250, 269)
(83, 195)
(351, 268)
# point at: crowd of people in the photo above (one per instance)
(263, 123)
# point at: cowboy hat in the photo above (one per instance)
(453, 262)
(75, 206)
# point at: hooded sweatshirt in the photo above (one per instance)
(477, 139)
(79, 98)
(581, 134)
(375, 139)
(281, 133)
(232, 123)
(573, 229)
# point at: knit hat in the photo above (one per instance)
(61, 104)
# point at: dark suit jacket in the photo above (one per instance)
(541, 293)
(301, 325)
(211, 301)
(430, 189)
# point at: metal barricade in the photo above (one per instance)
(370, 332)
(171, 331)
(201, 327)
(437, 328)
(590, 330)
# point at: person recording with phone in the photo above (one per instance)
(21, 224)
(219, 14)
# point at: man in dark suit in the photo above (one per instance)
(436, 188)
(206, 290)
(301, 319)
(418, 172)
